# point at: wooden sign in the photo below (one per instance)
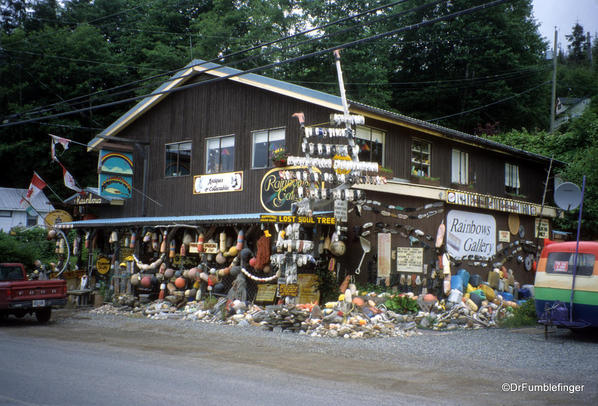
(308, 288)
(266, 292)
(542, 229)
(210, 247)
(290, 289)
(504, 236)
(218, 182)
(384, 255)
(273, 218)
(103, 265)
(410, 259)
(340, 210)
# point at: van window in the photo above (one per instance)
(562, 263)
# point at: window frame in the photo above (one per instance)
(512, 178)
(5, 213)
(178, 157)
(207, 152)
(429, 164)
(461, 179)
(268, 160)
(383, 136)
(583, 269)
(31, 220)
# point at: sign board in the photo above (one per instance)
(504, 236)
(86, 198)
(308, 288)
(218, 183)
(384, 253)
(491, 202)
(103, 265)
(120, 163)
(542, 228)
(277, 194)
(273, 218)
(470, 233)
(410, 259)
(289, 289)
(58, 216)
(340, 210)
(266, 292)
(210, 247)
(561, 266)
(115, 186)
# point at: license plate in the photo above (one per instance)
(39, 303)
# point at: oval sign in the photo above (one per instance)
(103, 265)
(58, 216)
(277, 194)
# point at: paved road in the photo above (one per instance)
(83, 359)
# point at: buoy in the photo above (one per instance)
(180, 282)
(252, 262)
(133, 240)
(183, 250)
(240, 240)
(87, 234)
(193, 274)
(222, 245)
(146, 281)
(440, 235)
(76, 243)
(155, 241)
(162, 288)
(163, 244)
(113, 237)
(200, 243)
(169, 273)
(135, 279)
(51, 234)
(172, 248)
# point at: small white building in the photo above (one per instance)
(15, 214)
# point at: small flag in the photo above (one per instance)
(69, 181)
(37, 184)
(300, 117)
(62, 141)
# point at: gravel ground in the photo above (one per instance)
(456, 367)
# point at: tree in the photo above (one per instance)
(578, 45)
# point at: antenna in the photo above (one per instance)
(567, 196)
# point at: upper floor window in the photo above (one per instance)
(220, 154)
(460, 167)
(264, 142)
(5, 213)
(371, 144)
(420, 158)
(511, 178)
(31, 220)
(178, 159)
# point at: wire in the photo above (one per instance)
(220, 58)
(271, 65)
(490, 104)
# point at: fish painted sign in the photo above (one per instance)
(115, 174)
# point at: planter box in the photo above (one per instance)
(422, 180)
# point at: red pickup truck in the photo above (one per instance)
(19, 296)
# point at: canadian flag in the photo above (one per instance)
(37, 184)
(69, 181)
(58, 140)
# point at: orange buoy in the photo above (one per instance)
(180, 282)
(240, 240)
(200, 243)
(172, 249)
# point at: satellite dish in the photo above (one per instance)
(567, 196)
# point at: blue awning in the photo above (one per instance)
(239, 218)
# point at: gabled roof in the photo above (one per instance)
(333, 102)
(10, 199)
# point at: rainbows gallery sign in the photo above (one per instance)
(470, 234)
(277, 194)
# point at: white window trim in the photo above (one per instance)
(207, 150)
(512, 177)
(460, 169)
(253, 145)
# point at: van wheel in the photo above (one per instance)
(43, 315)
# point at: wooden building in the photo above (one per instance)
(201, 145)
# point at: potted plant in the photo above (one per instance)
(279, 157)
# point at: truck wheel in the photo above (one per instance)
(43, 315)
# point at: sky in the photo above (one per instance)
(564, 14)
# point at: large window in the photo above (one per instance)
(220, 154)
(563, 263)
(178, 159)
(371, 144)
(264, 142)
(31, 220)
(460, 167)
(511, 178)
(420, 158)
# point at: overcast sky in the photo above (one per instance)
(564, 14)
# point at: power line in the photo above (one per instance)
(247, 50)
(490, 104)
(272, 65)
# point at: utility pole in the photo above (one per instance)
(553, 96)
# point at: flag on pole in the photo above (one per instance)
(37, 184)
(69, 181)
(62, 141)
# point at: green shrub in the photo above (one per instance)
(522, 316)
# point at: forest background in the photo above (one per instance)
(484, 73)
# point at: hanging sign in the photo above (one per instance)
(308, 288)
(103, 265)
(542, 229)
(410, 259)
(272, 218)
(340, 210)
(288, 289)
(384, 255)
(470, 233)
(266, 292)
(218, 182)
(86, 199)
(57, 217)
(115, 174)
(504, 236)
